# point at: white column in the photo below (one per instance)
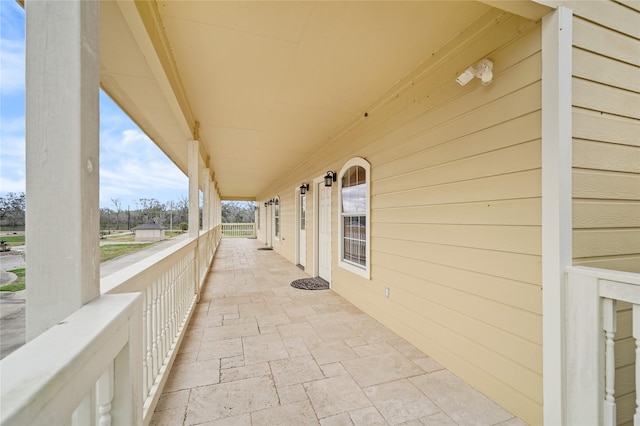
(62, 164)
(212, 204)
(206, 210)
(218, 208)
(194, 196)
(556, 206)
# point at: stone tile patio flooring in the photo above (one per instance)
(259, 352)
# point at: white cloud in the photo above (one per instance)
(132, 167)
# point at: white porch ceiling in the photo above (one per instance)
(268, 82)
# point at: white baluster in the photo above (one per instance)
(148, 342)
(145, 386)
(174, 304)
(609, 312)
(156, 335)
(636, 336)
(165, 316)
(163, 337)
(105, 396)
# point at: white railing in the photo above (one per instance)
(107, 363)
(592, 299)
(170, 283)
(80, 371)
(239, 230)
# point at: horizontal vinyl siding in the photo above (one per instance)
(606, 159)
(456, 232)
(455, 211)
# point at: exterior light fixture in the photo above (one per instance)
(304, 188)
(329, 178)
(271, 202)
(266, 203)
(484, 71)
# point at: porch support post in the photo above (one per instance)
(212, 204)
(194, 195)
(206, 210)
(556, 207)
(62, 164)
(218, 209)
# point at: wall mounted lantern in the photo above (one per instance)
(271, 202)
(329, 178)
(304, 188)
(266, 203)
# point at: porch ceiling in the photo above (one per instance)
(268, 82)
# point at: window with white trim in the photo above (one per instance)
(276, 215)
(354, 204)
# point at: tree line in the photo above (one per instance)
(237, 212)
(146, 210)
(119, 216)
(12, 210)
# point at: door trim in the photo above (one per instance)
(316, 214)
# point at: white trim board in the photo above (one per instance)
(556, 205)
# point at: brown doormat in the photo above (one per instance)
(311, 284)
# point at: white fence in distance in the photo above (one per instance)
(238, 230)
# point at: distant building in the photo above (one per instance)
(149, 232)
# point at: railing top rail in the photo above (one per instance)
(605, 274)
(51, 375)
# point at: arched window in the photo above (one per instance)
(354, 208)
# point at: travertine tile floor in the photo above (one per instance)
(259, 352)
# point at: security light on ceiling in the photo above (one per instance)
(484, 71)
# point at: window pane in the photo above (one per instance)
(303, 212)
(355, 243)
(354, 190)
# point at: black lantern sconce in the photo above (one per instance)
(271, 202)
(304, 188)
(266, 203)
(329, 178)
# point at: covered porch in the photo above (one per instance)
(464, 217)
(258, 351)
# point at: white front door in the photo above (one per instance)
(302, 231)
(324, 232)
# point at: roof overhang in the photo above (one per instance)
(264, 85)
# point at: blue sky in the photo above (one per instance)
(131, 166)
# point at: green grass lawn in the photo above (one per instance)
(122, 237)
(112, 251)
(18, 284)
(13, 238)
(107, 252)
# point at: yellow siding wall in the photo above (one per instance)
(606, 158)
(456, 211)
